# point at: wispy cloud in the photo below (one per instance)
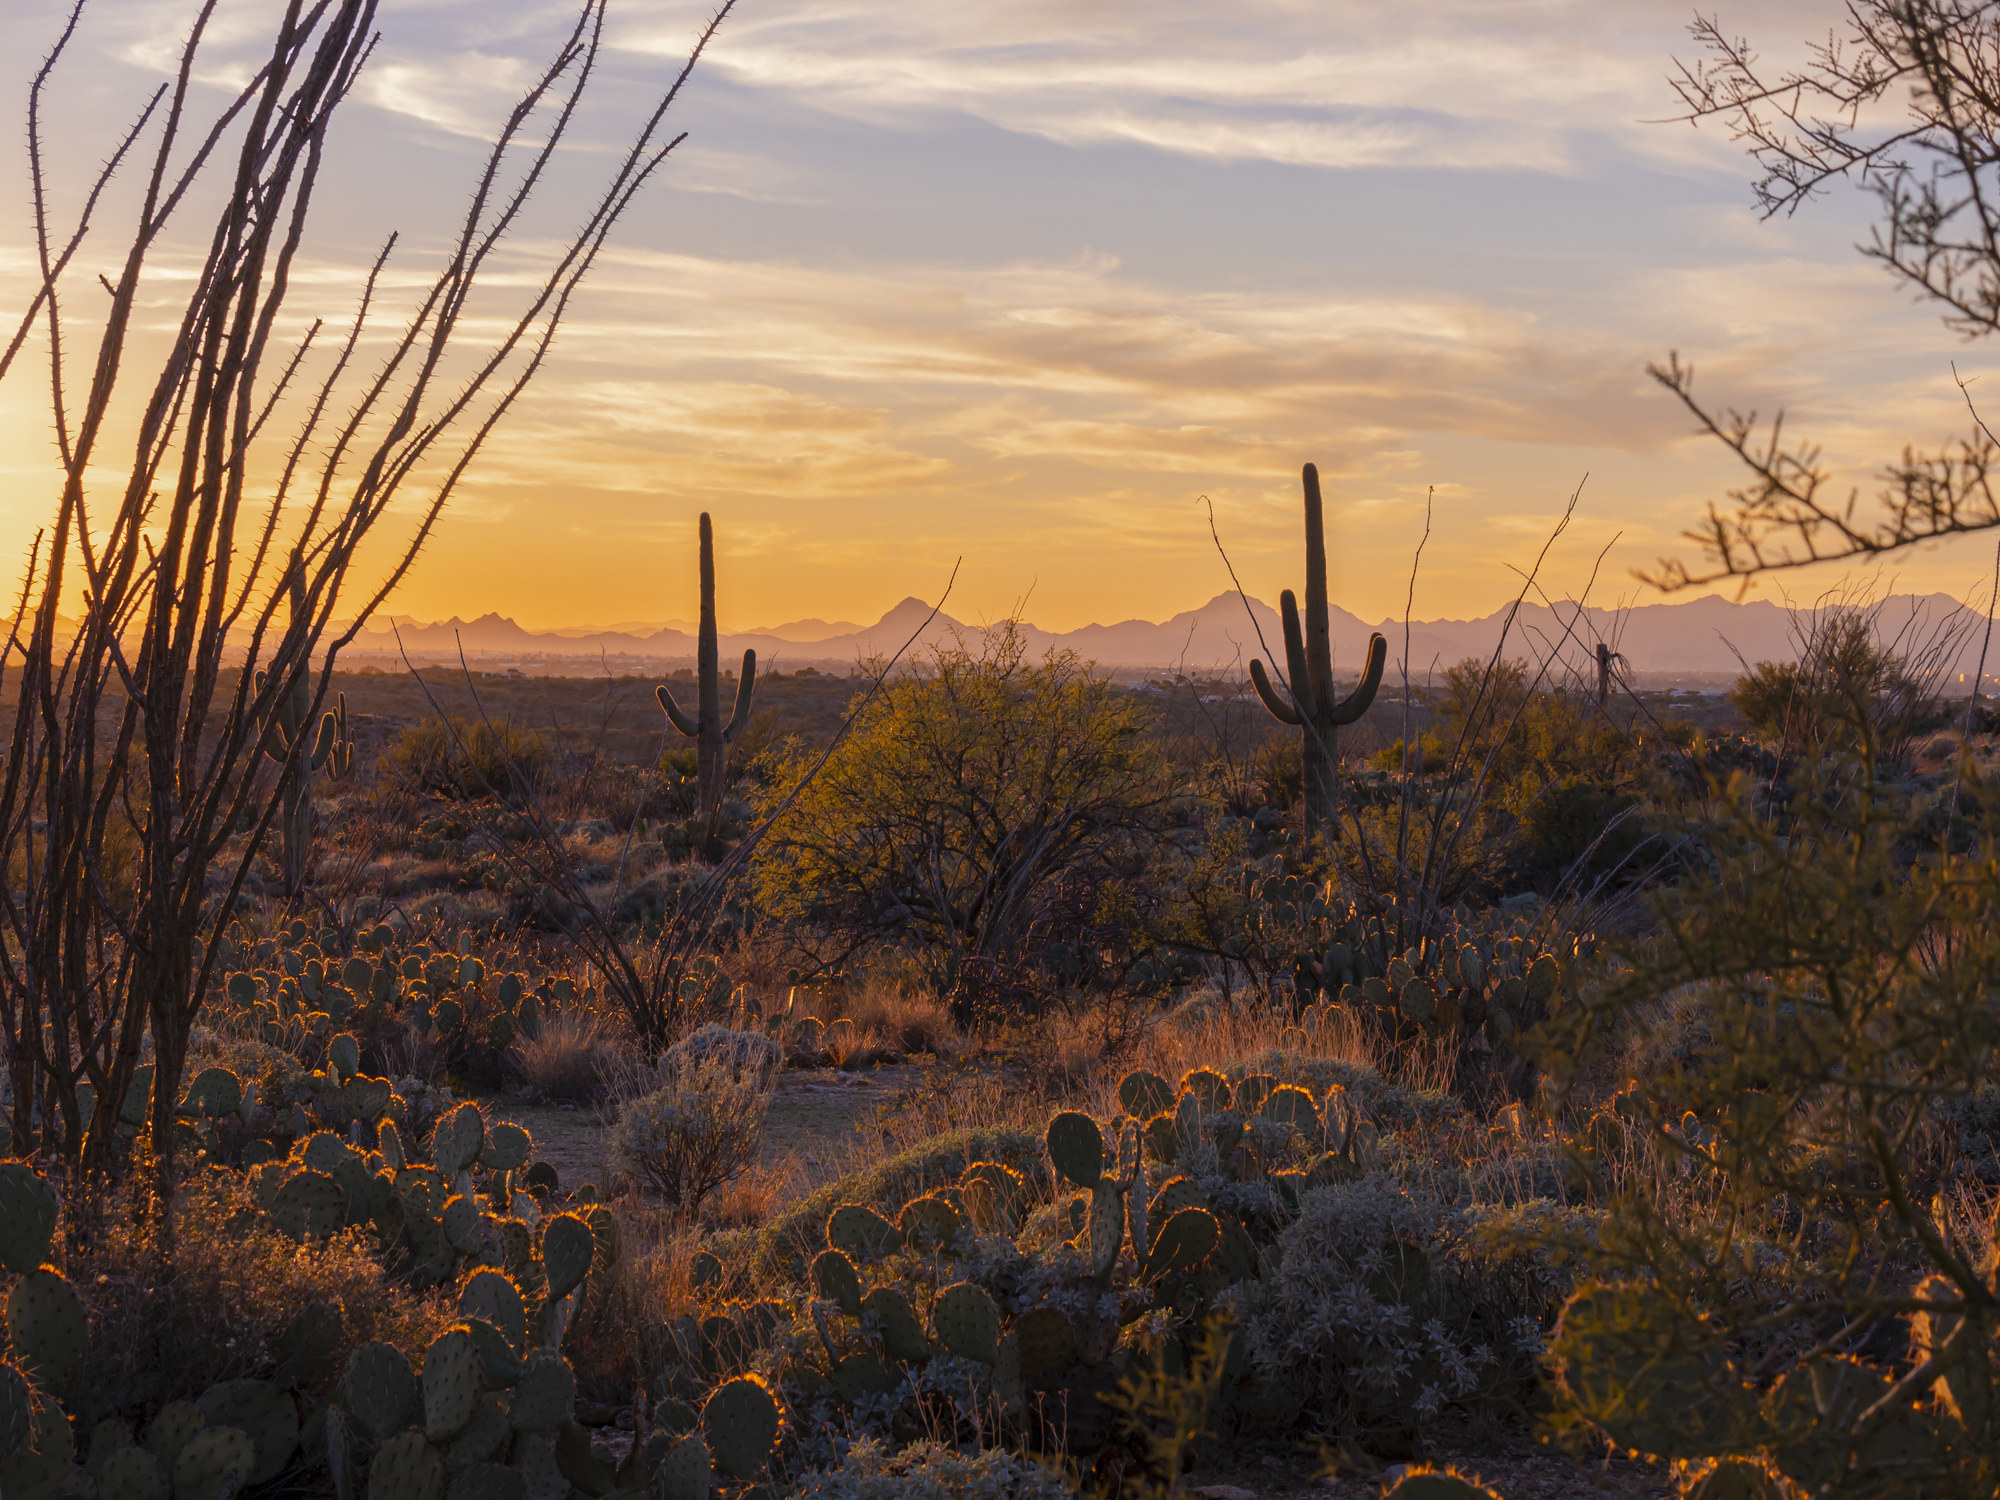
(1019, 280)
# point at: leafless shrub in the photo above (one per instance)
(699, 1127)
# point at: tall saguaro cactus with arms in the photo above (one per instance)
(710, 735)
(1312, 704)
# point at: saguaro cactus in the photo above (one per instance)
(710, 735)
(332, 748)
(1605, 657)
(1309, 665)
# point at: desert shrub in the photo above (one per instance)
(792, 1240)
(467, 762)
(1846, 684)
(748, 1052)
(931, 1471)
(962, 791)
(698, 1128)
(171, 1316)
(1380, 1311)
(1785, 1243)
(572, 1060)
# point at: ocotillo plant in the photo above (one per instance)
(710, 735)
(1309, 665)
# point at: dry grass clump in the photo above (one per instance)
(892, 1017)
(169, 1318)
(955, 1095)
(573, 1061)
(623, 1334)
(756, 1194)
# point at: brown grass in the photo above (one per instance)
(575, 1060)
(625, 1332)
(167, 1322)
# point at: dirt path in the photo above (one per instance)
(813, 1120)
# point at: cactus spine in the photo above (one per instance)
(1309, 665)
(710, 735)
(332, 748)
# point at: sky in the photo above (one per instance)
(1025, 286)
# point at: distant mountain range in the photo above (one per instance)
(1701, 637)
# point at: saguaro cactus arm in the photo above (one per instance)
(675, 717)
(1355, 704)
(740, 715)
(1280, 710)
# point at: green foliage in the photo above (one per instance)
(467, 761)
(962, 793)
(1845, 687)
(1169, 1408)
(1386, 1316)
(1781, 1181)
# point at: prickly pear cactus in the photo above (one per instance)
(406, 1468)
(171, 1427)
(1439, 1484)
(545, 1393)
(451, 1384)
(132, 1473)
(967, 1320)
(567, 1246)
(1653, 1380)
(1076, 1147)
(1182, 1242)
(740, 1423)
(457, 1140)
(213, 1464)
(888, 1310)
(686, 1472)
(262, 1412)
(490, 1296)
(993, 1195)
(861, 1233)
(834, 1277)
(1145, 1095)
(46, 1326)
(379, 1389)
(17, 1408)
(37, 1467)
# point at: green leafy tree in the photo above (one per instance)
(962, 792)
